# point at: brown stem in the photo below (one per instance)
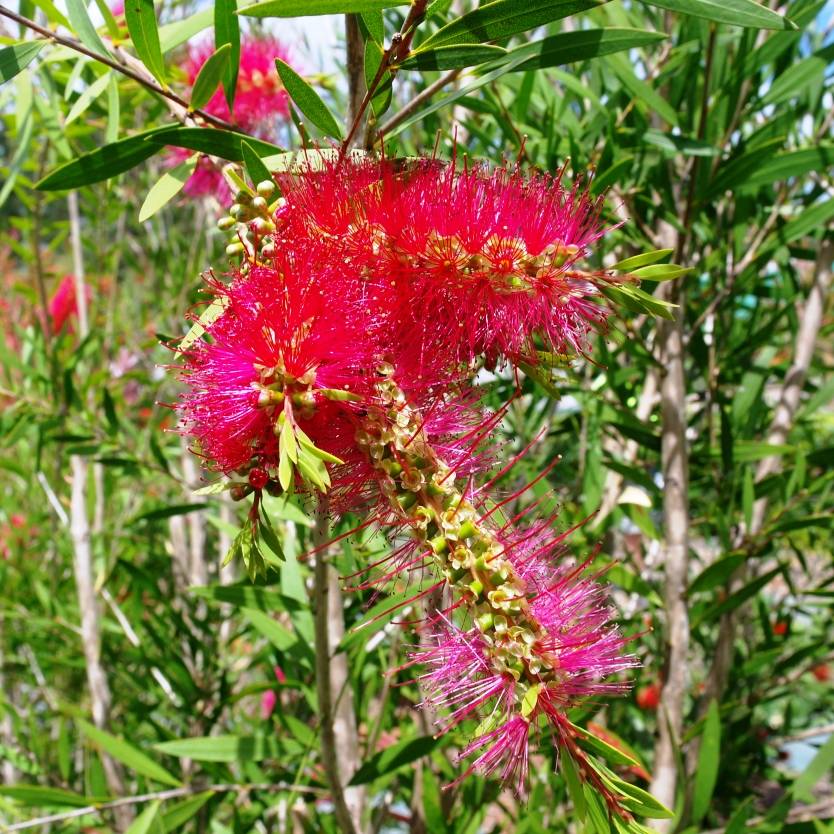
(337, 721)
(355, 68)
(146, 81)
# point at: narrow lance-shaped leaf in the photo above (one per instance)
(127, 754)
(255, 167)
(308, 100)
(102, 163)
(708, 760)
(503, 18)
(166, 188)
(227, 33)
(308, 8)
(210, 75)
(17, 57)
(735, 12)
(452, 57)
(567, 47)
(140, 16)
(83, 26)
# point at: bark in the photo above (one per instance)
(337, 719)
(676, 555)
(355, 66)
(97, 683)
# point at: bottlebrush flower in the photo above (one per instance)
(281, 345)
(260, 100)
(473, 262)
(260, 96)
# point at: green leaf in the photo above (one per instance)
(643, 259)
(42, 797)
(791, 164)
(708, 760)
(180, 812)
(568, 47)
(604, 749)
(392, 758)
(735, 12)
(148, 822)
(166, 188)
(127, 754)
(279, 635)
(87, 97)
(245, 596)
(18, 56)
(574, 785)
(176, 34)
(451, 57)
(308, 100)
(716, 574)
(819, 766)
(102, 163)
(227, 33)
(675, 144)
(598, 815)
(207, 318)
(83, 26)
(255, 167)
(660, 272)
(307, 8)
(813, 218)
(799, 77)
(225, 748)
(223, 143)
(642, 802)
(735, 600)
(502, 19)
(140, 16)
(166, 511)
(210, 75)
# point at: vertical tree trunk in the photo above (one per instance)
(675, 554)
(337, 719)
(99, 688)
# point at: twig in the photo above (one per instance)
(146, 81)
(397, 51)
(172, 793)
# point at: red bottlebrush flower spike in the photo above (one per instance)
(280, 345)
(466, 263)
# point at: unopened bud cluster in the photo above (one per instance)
(251, 217)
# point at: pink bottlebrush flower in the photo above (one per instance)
(117, 8)
(280, 341)
(503, 750)
(260, 97)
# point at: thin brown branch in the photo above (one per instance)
(146, 81)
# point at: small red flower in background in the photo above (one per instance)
(648, 697)
(822, 672)
(780, 628)
(270, 698)
(63, 306)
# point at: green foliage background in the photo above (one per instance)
(710, 126)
